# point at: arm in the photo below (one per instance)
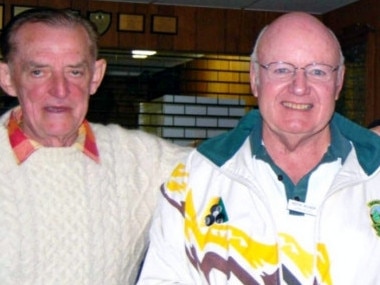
(166, 261)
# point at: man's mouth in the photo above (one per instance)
(297, 106)
(56, 109)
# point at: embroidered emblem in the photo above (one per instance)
(217, 213)
(375, 215)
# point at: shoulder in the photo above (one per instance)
(365, 142)
(223, 147)
(113, 131)
(135, 140)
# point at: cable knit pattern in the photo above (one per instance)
(64, 219)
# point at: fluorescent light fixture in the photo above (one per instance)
(144, 52)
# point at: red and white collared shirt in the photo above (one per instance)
(23, 146)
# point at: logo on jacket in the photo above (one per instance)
(217, 213)
(375, 215)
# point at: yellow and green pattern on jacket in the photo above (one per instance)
(225, 248)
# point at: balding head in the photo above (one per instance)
(296, 74)
(297, 37)
(297, 31)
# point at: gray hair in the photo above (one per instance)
(49, 16)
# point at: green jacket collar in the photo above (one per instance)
(366, 143)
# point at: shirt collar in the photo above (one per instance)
(23, 146)
(339, 147)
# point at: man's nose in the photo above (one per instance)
(59, 86)
(299, 84)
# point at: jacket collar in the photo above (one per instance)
(366, 143)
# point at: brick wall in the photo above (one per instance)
(186, 120)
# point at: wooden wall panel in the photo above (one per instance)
(110, 38)
(55, 3)
(142, 40)
(210, 30)
(9, 4)
(205, 30)
(186, 29)
(233, 30)
(164, 41)
(81, 6)
(252, 23)
(363, 12)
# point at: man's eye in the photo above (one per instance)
(317, 72)
(36, 72)
(282, 70)
(77, 72)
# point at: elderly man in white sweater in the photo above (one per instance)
(75, 197)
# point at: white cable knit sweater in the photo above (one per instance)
(64, 219)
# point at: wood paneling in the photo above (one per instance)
(363, 13)
(186, 32)
(110, 39)
(199, 29)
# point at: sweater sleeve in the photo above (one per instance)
(144, 163)
(155, 156)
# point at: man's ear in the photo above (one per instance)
(6, 82)
(253, 79)
(340, 81)
(97, 77)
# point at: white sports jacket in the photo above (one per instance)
(219, 223)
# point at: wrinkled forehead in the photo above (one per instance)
(74, 36)
(29, 30)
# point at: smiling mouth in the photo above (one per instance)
(55, 109)
(297, 106)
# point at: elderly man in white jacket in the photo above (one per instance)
(291, 195)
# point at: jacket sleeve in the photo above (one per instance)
(166, 261)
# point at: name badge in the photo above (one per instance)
(302, 207)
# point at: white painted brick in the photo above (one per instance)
(227, 123)
(239, 112)
(173, 109)
(195, 110)
(167, 120)
(195, 133)
(184, 99)
(206, 122)
(184, 121)
(207, 100)
(198, 117)
(229, 102)
(168, 132)
(215, 132)
(217, 111)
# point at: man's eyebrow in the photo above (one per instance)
(33, 64)
(79, 64)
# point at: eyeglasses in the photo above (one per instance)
(283, 71)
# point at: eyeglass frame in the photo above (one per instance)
(267, 66)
